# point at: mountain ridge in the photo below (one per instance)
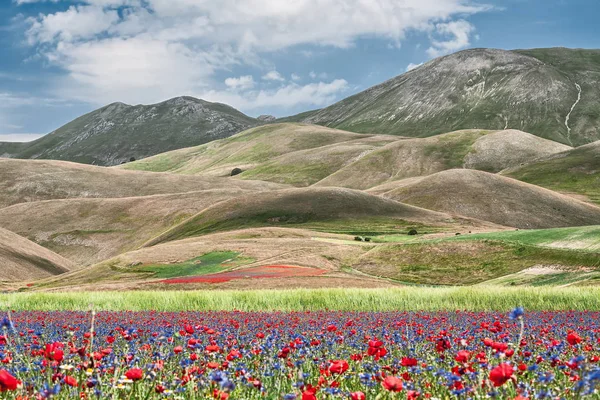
(119, 132)
(531, 90)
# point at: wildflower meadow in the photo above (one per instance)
(303, 355)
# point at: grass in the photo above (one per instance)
(393, 299)
(209, 263)
(556, 278)
(448, 262)
(586, 238)
(293, 174)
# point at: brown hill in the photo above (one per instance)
(492, 198)
(23, 260)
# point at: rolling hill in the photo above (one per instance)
(483, 150)
(249, 149)
(336, 210)
(36, 180)
(551, 93)
(117, 132)
(87, 231)
(303, 155)
(575, 172)
(492, 198)
(23, 260)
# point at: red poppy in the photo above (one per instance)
(54, 352)
(338, 366)
(463, 356)
(502, 373)
(7, 381)
(310, 393)
(71, 381)
(392, 384)
(574, 338)
(357, 396)
(135, 374)
(409, 362)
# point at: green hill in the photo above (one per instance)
(576, 172)
(474, 149)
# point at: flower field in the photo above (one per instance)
(299, 355)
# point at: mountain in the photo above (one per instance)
(551, 93)
(119, 132)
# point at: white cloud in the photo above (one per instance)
(145, 51)
(457, 35)
(287, 96)
(148, 70)
(243, 82)
(78, 22)
(273, 76)
(412, 66)
(295, 77)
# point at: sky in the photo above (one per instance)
(60, 59)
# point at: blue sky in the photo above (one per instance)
(61, 58)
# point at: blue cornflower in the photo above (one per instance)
(517, 313)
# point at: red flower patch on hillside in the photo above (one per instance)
(267, 271)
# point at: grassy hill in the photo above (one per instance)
(484, 150)
(23, 260)
(35, 180)
(492, 198)
(247, 150)
(583, 238)
(576, 172)
(88, 231)
(115, 133)
(529, 90)
(323, 209)
(303, 155)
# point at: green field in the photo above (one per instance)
(210, 263)
(484, 298)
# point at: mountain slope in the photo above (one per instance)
(533, 91)
(23, 260)
(475, 149)
(576, 172)
(492, 198)
(35, 180)
(116, 133)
